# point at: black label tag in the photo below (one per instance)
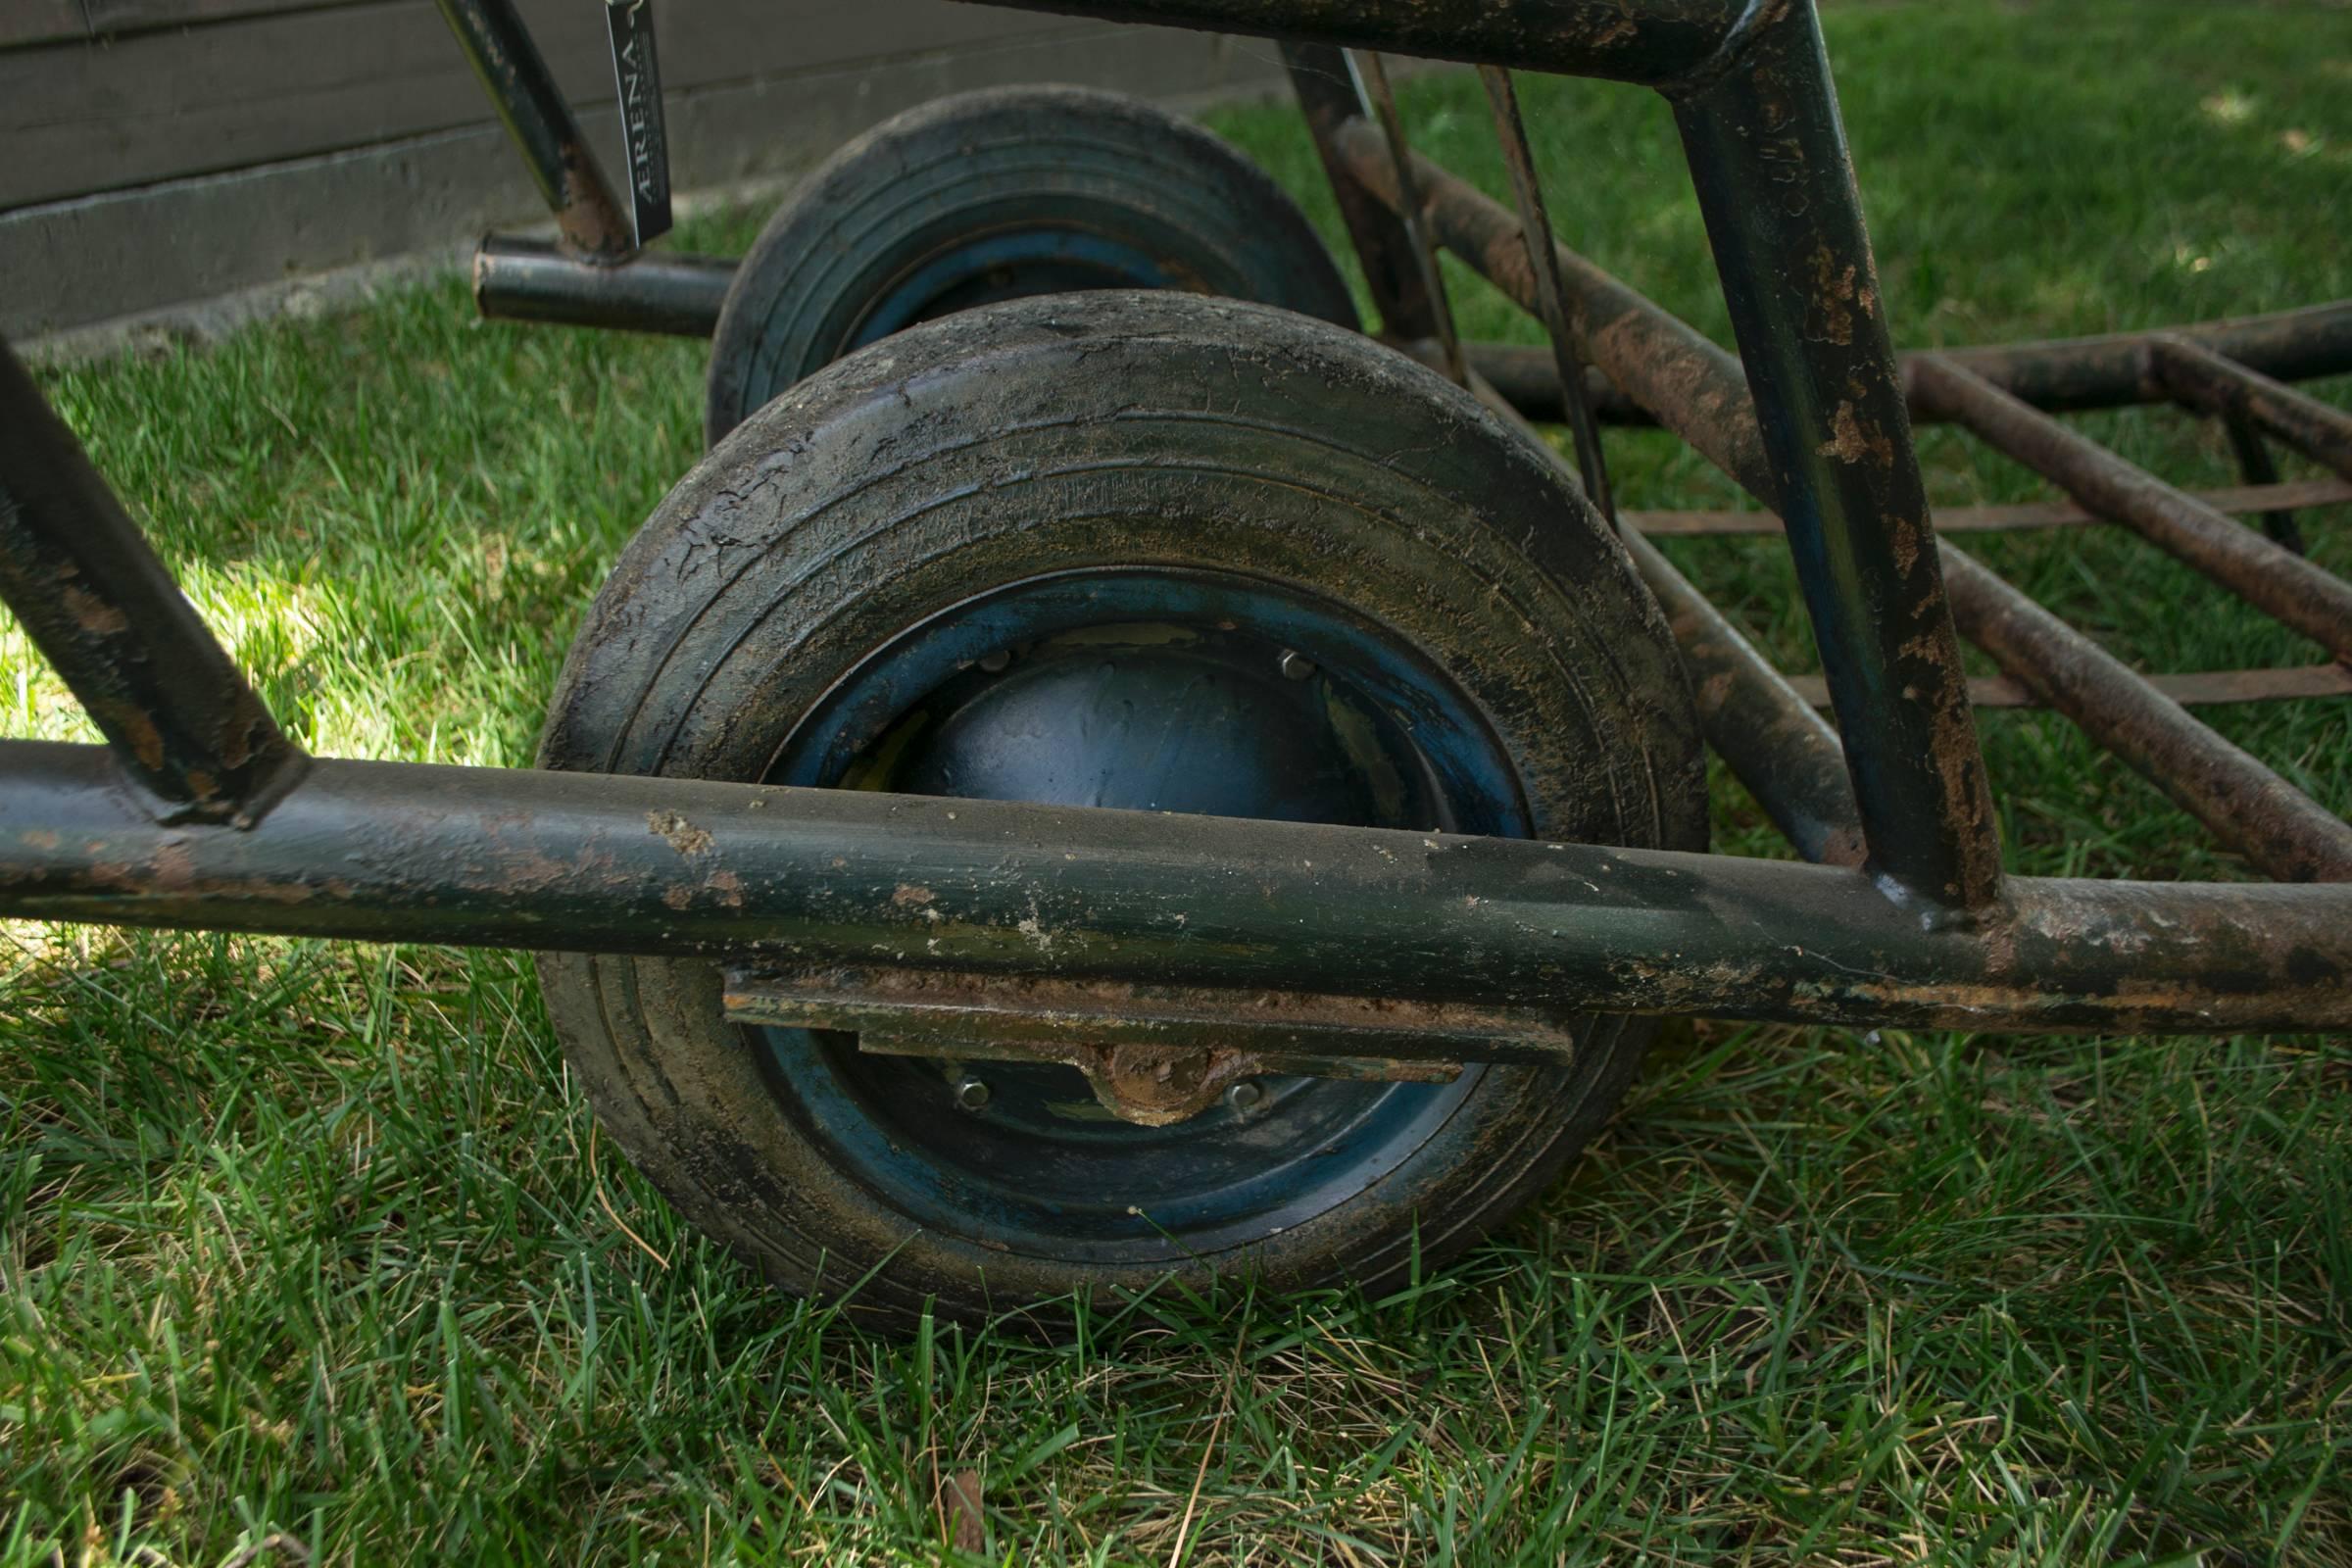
(640, 81)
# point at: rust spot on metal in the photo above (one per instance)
(1850, 441)
(908, 896)
(174, 868)
(1834, 295)
(678, 833)
(1153, 1086)
(92, 614)
(589, 215)
(135, 729)
(94, 599)
(1154, 1055)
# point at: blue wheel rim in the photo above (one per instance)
(1040, 1170)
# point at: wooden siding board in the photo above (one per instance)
(129, 254)
(106, 115)
(110, 18)
(30, 22)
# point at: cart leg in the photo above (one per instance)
(503, 55)
(1769, 160)
(185, 726)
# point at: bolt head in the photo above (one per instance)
(1295, 665)
(971, 1093)
(1246, 1097)
(995, 663)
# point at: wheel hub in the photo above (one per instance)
(1154, 690)
(1147, 717)
(1168, 719)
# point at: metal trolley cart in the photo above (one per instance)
(1240, 716)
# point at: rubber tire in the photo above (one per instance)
(1111, 429)
(935, 176)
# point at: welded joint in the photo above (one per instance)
(2164, 377)
(1755, 25)
(2202, 378)
(496, 43)
(239, 813)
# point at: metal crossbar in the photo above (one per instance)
(199, 812)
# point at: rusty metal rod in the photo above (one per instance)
(531, 280)
(2202, 688)
(1329, 93)
(1781, 750)
(2206, 380)
(2259, 570)
(1797, 771)
(2283, 831)
(104, 610)
(539, 124)
(681, 296)
(2055, 374)
(1776, 187)
(2112, 368)
(2013, 515)
(1373, 77)
(1687, 383)
(1696, 389)
(516, 857)
(1654, 42)
(1510, 129)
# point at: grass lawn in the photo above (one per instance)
(315, 1248)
